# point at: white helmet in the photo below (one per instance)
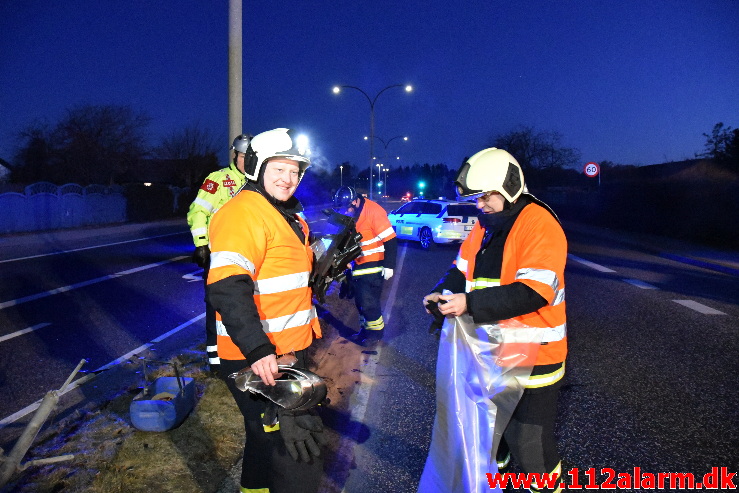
(280, 142)
(490, 170)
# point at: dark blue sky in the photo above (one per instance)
(633, 82)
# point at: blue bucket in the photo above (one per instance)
(164, 404)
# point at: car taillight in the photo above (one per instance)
(451, 220)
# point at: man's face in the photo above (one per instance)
(491, 202)
(281, 178)
(350, 209)
(239, 161)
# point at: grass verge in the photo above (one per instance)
(112, 456)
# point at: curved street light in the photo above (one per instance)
(385, 144)
(372, 101)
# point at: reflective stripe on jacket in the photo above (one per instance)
(217, 189)
(249, 236)
(535, 254)
(375, 228)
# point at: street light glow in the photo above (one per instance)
(371, 101)
(302, 142)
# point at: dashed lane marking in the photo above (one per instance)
(590, 264)
(640, 284)
(699, 307)
(82, 284)
(23, 331)
(88, 248)
(693, 305)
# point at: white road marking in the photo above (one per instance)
(194, 276)
(88, 248)
(24, 331)
(694, 305)
(82, 284)
(590, 264)
(640, 284)
(360, 398)
(32, 407)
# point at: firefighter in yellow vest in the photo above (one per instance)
(376, 263)
(511, 267)
(260, 264)
(216, 190)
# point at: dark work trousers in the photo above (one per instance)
(211, 335)
(530, 434)
(266, 461)
(367, 292)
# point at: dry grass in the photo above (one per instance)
(112, 456)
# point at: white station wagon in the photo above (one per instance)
(434, 221)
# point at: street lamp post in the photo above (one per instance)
(379, 178)
(385, 144)
(341, 174)
(371, 101)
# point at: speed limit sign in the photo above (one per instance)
(592, 169)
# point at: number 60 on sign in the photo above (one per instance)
(591, 169)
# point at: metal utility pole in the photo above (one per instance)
(235, 74)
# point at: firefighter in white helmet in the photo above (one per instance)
(261, 262)
(510, 271)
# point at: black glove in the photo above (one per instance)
(346, 288)
(436, 325)
(302, 431)
(201, 256)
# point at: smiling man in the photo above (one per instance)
(510, 272)
(261, 262)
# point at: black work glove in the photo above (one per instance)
(201, 256)
(435, 327)
(302, 431)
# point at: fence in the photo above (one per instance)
(44, 205)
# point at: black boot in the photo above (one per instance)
(367, 338)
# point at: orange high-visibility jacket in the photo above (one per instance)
(248, 236)
(535, 253)
(375, 228)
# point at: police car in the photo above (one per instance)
(434, 221)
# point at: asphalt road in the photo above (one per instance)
(651, 371)
(650, 376)
(95, 294)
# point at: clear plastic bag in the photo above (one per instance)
(479, 374)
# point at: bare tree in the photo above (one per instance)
(537, 150)
(722, 145)
(94, 144)
(34, 155)
(195, 146)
